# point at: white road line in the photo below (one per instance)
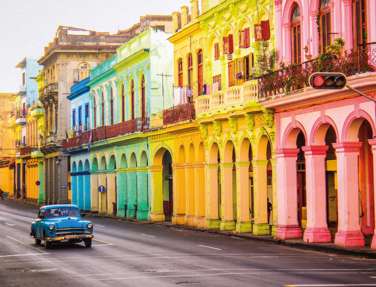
(210, 247)
(102, 245)
(24, 244)
(99, 225)
(104, 242)
(43, 270)
(147, 235)
(14, 239)
(330, 285)
(23, 255)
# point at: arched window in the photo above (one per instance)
(296, 43)
(324, 25)
(122, 103)
(359, 22)
(143, 100)
(95, 112)
(200, 76)
(102, 104)
(111, 106)
(180, 72)
(190, 70)
(132, 99)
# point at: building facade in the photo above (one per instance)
(324, 139)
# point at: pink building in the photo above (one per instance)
(325, 139)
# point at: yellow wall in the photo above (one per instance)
(6, 179)
(31, 178)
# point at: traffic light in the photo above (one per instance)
(327, 80)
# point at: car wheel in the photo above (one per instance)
(37, 241)
(87, 243)
(47, 244)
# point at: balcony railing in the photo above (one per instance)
(78, 140)
(295, 77)
(180, 113)
(231, 97)
(51, 88)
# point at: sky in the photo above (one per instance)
(26, 26)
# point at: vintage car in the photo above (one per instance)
(61, 223)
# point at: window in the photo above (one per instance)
(239, 70)
(180, 72)
(74, 118)
(23, 78)
(122, 103)
(132, 99)
(200, 76)
(216, 51)
(228, 44)
(95, 111)
(102, 103)
(296, 44)
(244, 38)
(217, 83)
(143, 100)
(190, 70)
(359, 23)
(86, 116)
(80, 117)
(111, 106)
(324, 25)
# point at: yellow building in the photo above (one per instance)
(219, 167)
(7, 142)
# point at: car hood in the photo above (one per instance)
(68, 222)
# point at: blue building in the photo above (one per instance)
(78, 143)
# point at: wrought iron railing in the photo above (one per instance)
(295, 77)
(180, 113)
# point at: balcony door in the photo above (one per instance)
(296, 43)
(359, 23)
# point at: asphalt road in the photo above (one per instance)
(130, 254)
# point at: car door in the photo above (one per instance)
(39, 224)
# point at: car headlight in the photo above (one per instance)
(51, 227)
(90, 225)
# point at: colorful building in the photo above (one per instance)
(7, 143)
(324, 139)
(27, 177)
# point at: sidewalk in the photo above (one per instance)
(322, 247)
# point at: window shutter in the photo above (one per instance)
(230, 44)
(216, 51)
(265, 30)
(225, 45)
(246, 38)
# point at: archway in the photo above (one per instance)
(213, 188)
(143, 188)
(94, 183)
(103, 183)
(122, 194)
(190, 186)
(87, 197)
(74, 183)
(168, 199)
(180, 187)
(80, 186)
(301, 181)
(200, 200)
(112, 186)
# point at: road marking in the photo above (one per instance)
(14, 239)
(103, 242)
(99, 225)
(23, 255)
(102, 245)
(147, 235)
(43, 270)
(330, 285)
(210, 247)
(9, 224)
(24, 244)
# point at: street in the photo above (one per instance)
(132, 254)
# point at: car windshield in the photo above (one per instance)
(61, 212)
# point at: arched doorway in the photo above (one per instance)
(103, 207)
(213, 188)
(200, 200)
(94, 183)
(143, 188)
(190, 186)
(74, 183)
(87, 197)
(122, 187)
(80, 186)
(112, 186)
(301, 181)
(168, 199)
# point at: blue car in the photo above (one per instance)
(61, 223)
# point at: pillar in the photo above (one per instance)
(211, 191)
(142, 188)
(41, 188)
(156, 210)
(347, 27)
(371, 22)
(111, 193)
(121, 192)
(227, 220)
(199, 194)
(317, 228)
(243, 222)
(349, 233)
(87, 197)
(94, 191)
(190, 195)
(373, 145)
(288, 227)
(194, 9)
(74, 188)
(179, 196)
(131, 200)
(261, 225)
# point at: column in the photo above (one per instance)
(227, 220)
(190, 195)
(348, 234)
(199, 194)
(94, 191)
(41, 188)
(111, 194)
(178, 171)
(261, 225)
(87, 197)
(287, 195)
(212, 192)
(121, 192)
(373, 145)
(243, 222)
(132, 193)
(372, 22)
(347, 27)
(156, 211)
(317, 228)
(314, 45)
(74, 188)
(142, 187)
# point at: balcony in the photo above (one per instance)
(25, 150)
(21, 117)
(122, 128)
(179, 113)
(79, 140)
(37, 113)
(230, 98)
(294, 78)
(51, 88)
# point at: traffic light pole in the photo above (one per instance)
(360, 93)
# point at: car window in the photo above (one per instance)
(62, 212)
